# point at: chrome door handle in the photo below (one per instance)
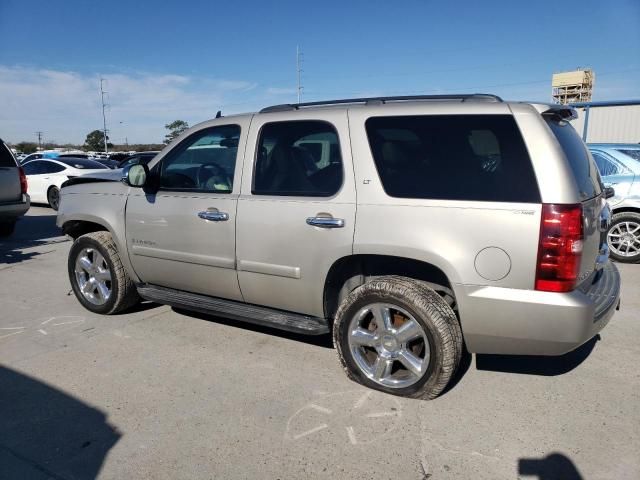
(214, 216)
(325, 222)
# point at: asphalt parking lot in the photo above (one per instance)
(159, 393)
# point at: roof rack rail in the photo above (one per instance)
(462, 97)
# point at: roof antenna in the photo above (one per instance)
(219, 114)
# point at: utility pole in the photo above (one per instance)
(298, 72)
(39, 134)
(104, 118)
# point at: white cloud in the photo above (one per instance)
(66, 105)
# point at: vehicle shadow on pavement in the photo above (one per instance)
(48, 434)
(317, 340)
(537, 365)
(31, 231)
(554, 466)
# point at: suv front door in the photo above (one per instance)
(183, 236)
(296, 212)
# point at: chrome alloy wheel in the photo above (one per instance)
(389, 346)
(624, 239)
(93, 276)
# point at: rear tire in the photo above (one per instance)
(7, 228)
(388, 358)
(98, 278)
(623, 237)
(53, 197)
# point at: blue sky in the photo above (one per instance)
(185, 60)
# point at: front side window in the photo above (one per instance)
(203, 162)
(298, 158)
(452, 157)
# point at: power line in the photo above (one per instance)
(298, 72)
(104, 118)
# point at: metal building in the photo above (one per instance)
(572, 87)
(608, 122)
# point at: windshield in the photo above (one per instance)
(82, 163)
(635, 154)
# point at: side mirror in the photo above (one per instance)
(135, 175)
(609, 192)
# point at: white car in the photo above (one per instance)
(45, 176)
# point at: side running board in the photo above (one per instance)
(292, 322)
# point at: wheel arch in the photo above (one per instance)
(349, 272)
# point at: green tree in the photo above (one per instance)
(95, 141)
(26, 147)
(175, 129)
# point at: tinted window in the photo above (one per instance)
(584, 171)
(81, 163)
(204, 162)
(6, 157)
(607, 166)
(298, 159)
(635, 154)
(50, 167)
(452, 157)
(33, 168)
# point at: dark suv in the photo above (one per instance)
(14, 200)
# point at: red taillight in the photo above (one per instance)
(560, 248)
(23, 181)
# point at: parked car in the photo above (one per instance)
(37, 156)
(408, 227)
(14, 200)
(619, 166)
(47, 175)
(140, 157)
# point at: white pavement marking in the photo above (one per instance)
(362, 399)
(42, 331)
(9, 334)
(352, 435)
(381, 414)
(320, 409)
(66, 323)
(309, 432)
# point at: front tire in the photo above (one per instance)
(623, 237)
(98, 278)
(53, 197)
(397, 335)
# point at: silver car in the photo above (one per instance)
(409, 228)
(14, 200)
(619, 166)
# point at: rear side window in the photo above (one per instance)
(453, 157)
(6, 158)
(298, 158)
(584, 170)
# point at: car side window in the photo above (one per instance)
(203, 162)
(606, 166)
(298, 158)
(33, 168)
(50, 167)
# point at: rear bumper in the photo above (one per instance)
(14, 210)
(527, 322)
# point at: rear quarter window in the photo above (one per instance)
(6, 157)
(583, 168)
(452, 157)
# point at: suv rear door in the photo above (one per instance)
(10, 191)
(296, 212)
(589, 190)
